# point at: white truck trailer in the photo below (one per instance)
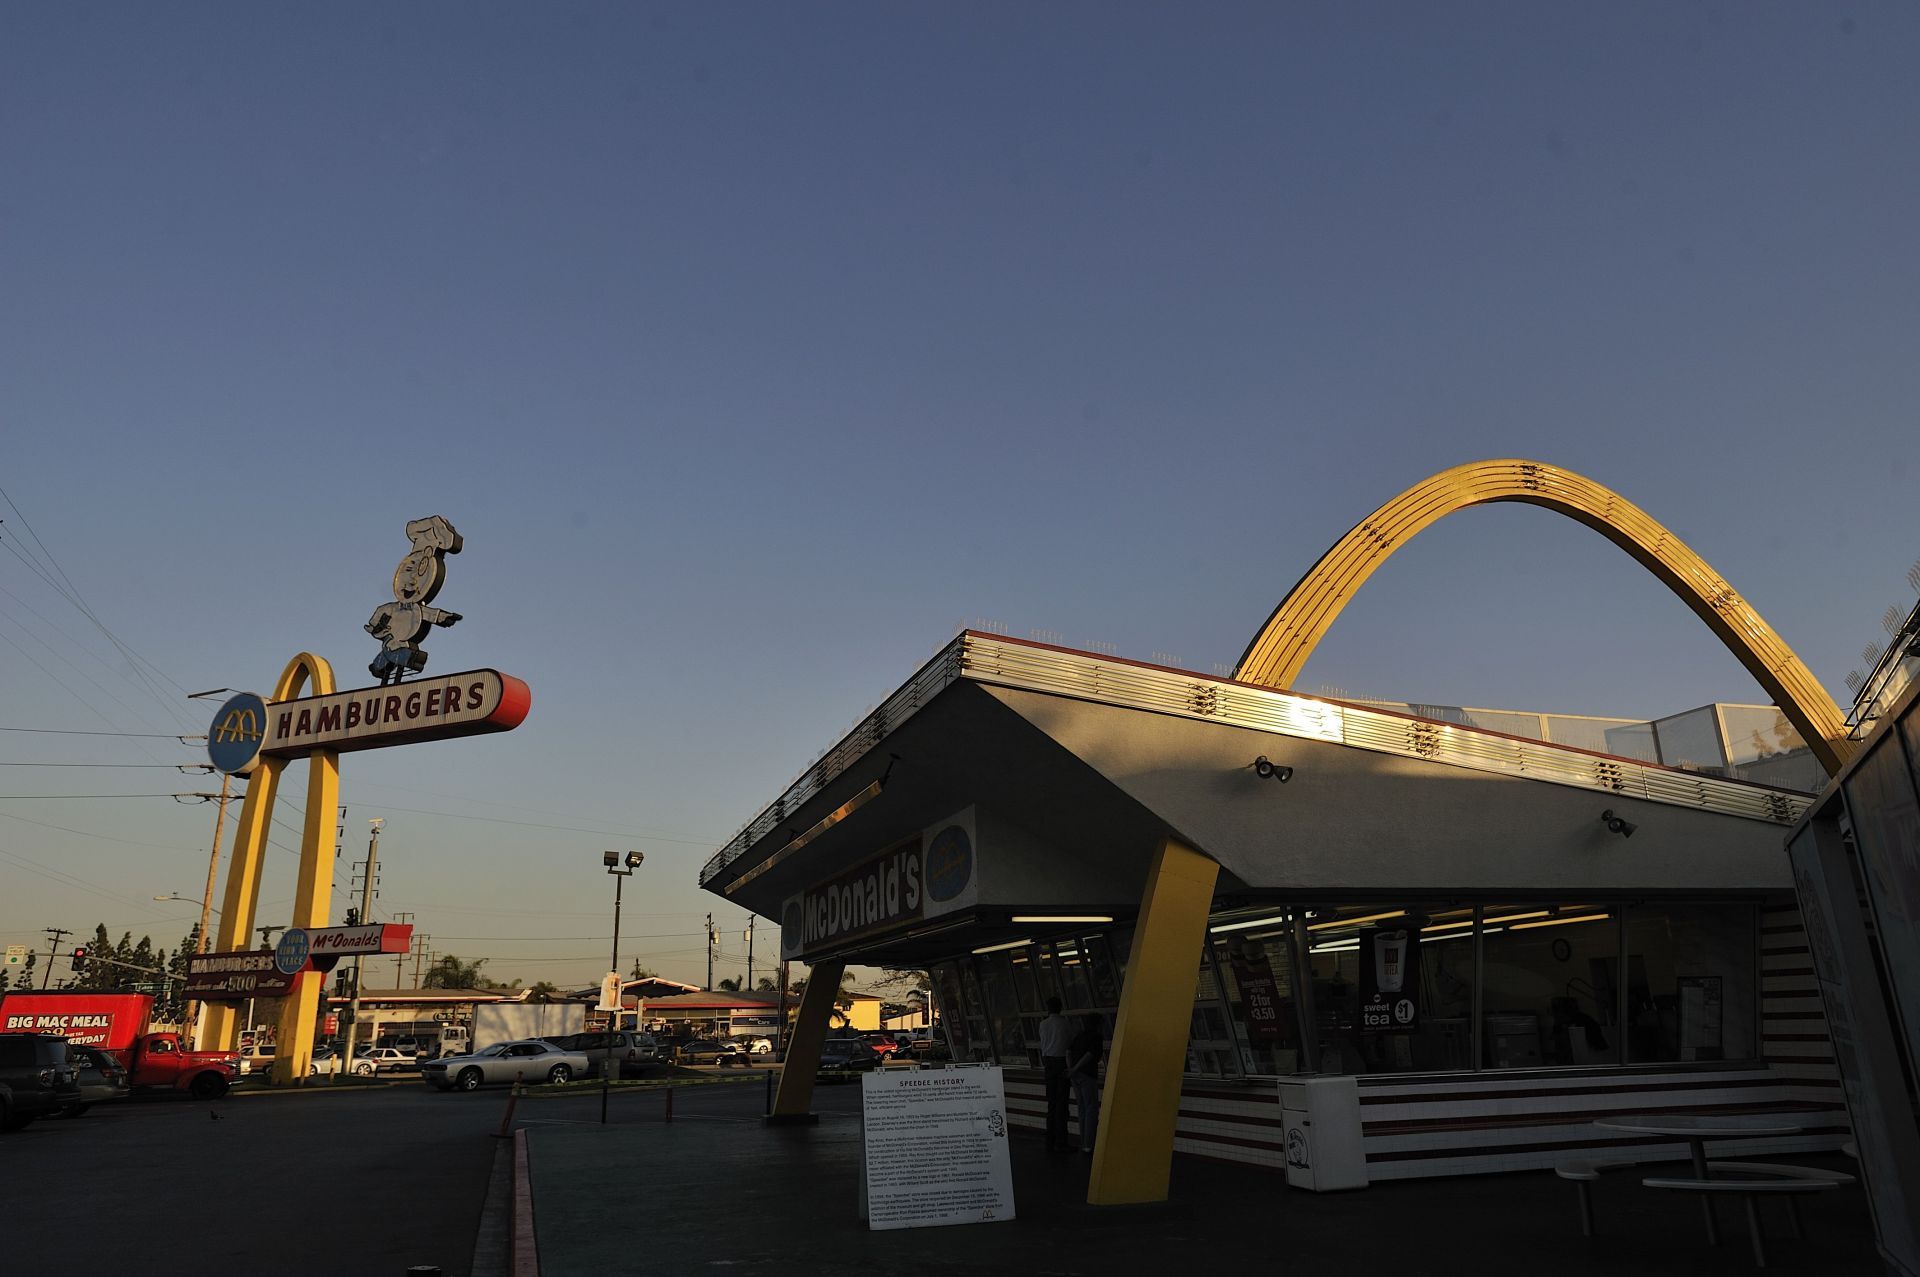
(509, 1021)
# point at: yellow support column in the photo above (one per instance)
(793, 1102)
(242, 894)
(1133, 1153)
(300, 1009)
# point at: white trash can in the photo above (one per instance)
(1321, 1118)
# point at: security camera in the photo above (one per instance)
(1266, 769)
(634, 858)
(1617, 824)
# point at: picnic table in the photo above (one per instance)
(1696, 1129)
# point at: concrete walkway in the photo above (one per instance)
(714, 1189)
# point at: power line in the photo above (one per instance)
(538, 811)
(68, 829)
(66, 731)
(528, 824)
(66, 660)
(72, 594)
(109, 766)
(26, 797)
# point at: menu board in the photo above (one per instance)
(934, 1147)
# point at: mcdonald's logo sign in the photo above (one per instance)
(239, 728)
(238, 725)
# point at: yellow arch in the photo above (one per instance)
(1282, 646)
(312, 892)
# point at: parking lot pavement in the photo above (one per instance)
(372, 1180)
(717, 1189)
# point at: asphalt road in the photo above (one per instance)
(366, 1182)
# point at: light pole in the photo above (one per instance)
(192, 1025)
(611, 859)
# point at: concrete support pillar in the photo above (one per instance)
(794, 1100)
(1133, 1154)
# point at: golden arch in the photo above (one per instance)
(312, 892)
(239, 724)
(1282, 646)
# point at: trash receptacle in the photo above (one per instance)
(1321, 1118)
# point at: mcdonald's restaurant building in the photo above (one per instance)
(1501, 939)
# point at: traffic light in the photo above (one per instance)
(79, 957)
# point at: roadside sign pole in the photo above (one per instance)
(366, 910)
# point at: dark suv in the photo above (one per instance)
(35, 1078)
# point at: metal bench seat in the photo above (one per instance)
(1750, 1191)
(1584, 1172)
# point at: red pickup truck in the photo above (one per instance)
(116, 1023)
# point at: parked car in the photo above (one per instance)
(755, 1045)
(883, 1042)
(696, 1050)
(531, 1060)
(840, 1056)
(386, 1059)
(327, 1060)
(101, 1078)
(635, 1052)
(38, 1078)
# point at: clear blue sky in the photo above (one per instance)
(752, 348)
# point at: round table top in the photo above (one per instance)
(1698, 1125)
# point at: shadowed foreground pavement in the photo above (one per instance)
(717, 1189)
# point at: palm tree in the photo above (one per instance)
(449, 972)
(731, 984)
(543, 991)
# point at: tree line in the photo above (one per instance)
(125, 965)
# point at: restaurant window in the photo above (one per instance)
(1256, 967)
(1102, 972)
(952, 1010)
(979, 1033)
(1548, 985)
(1070, 964)
(1690, 982)
(1392, 986)
(1211, 1050)
(1010, 1044)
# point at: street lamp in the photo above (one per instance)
(189, 900)
(192, 1025)
(612, 860)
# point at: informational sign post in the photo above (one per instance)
(935, 1147)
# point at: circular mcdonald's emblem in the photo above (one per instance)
(239, 727)
(949, 863)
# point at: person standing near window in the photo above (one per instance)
(1083, 1070)
(1054, 1034)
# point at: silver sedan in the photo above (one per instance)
(529, 1060)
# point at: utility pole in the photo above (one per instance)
(749, 987)
(419, 955)
(400, 959)
(206, 896)
(709, 951)
(366, 910)
(56, 934)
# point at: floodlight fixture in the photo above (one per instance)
(1266, 769)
